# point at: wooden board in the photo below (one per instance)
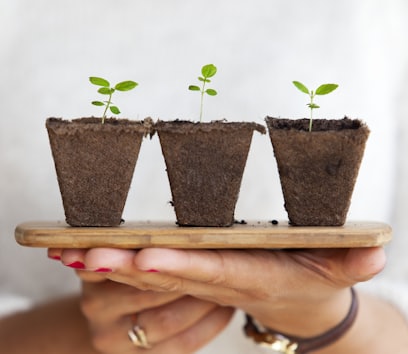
(166, 234)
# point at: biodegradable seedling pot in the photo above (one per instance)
(317, 169)
(205, 163)
(94, 164)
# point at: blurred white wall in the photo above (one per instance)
(48, 48)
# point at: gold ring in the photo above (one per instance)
(138, 337)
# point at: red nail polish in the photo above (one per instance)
(152, 271)
(76, 265)
(103, 270)
(57, 258)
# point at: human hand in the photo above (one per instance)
(172, 322)
(303, 292)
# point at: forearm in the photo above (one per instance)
(53, 328)
(379, 328)
(375, 328)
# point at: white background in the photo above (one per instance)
(49, 48)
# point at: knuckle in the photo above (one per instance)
(218, 277)
(168, 320)
(144, 286)
(165, 285)
(172, 285)
(89, 305)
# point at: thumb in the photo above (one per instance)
(361, 264)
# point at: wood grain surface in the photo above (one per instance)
(255, 234)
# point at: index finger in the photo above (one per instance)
(240, 268)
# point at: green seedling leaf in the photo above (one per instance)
(211, 92)
(193, 88)
(98, 103)
(321, 90)
(126, 85)
(99, 81)
(301, 87)
(114, 109)
(207, 71)
(106, 89)
(326, 88)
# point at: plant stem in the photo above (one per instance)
(311, 110)
(202, 101)
(106, 108)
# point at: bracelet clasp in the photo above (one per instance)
(279, 344)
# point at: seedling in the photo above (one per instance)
(106, 89)
(321, 90)
(207, 71)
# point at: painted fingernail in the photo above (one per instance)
(76, 265)
(56, 258)
(103, 270)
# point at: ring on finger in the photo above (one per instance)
(137, 335)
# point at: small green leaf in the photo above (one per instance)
(106, 90)
(98, 103)
(313, 105)
(204, 80)
(126, 85)
(208, 70)
(301, 87)
(193, 88)
(114, 109)
(211, 92)
(99, 81)
(325, 89)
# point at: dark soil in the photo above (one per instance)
(318, 124)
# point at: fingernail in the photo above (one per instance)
(57, 258)
(103, 270)
(152, 271)
(76, 265)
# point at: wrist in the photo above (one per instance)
(288, 343)
(308, 318)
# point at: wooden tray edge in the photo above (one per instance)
(166, 234)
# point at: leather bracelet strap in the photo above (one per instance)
(287, 344)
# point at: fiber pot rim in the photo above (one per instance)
(66, 126)
(319, 124)
(187, 127)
